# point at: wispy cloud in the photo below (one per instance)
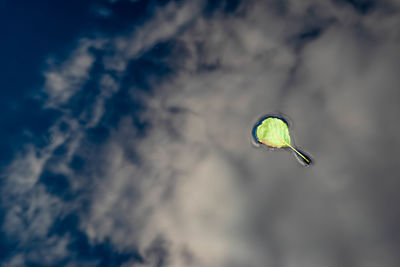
(63, 81)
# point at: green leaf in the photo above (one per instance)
(273, 132)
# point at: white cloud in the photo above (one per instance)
(214, 197)
(206, 189)
(102, 11)
(62, 82)
(166, 23)
(31, 211)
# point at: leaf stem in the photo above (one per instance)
(294, 149)
(298, 153)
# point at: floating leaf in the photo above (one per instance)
(274, 132)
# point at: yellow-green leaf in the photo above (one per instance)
(273, 132)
